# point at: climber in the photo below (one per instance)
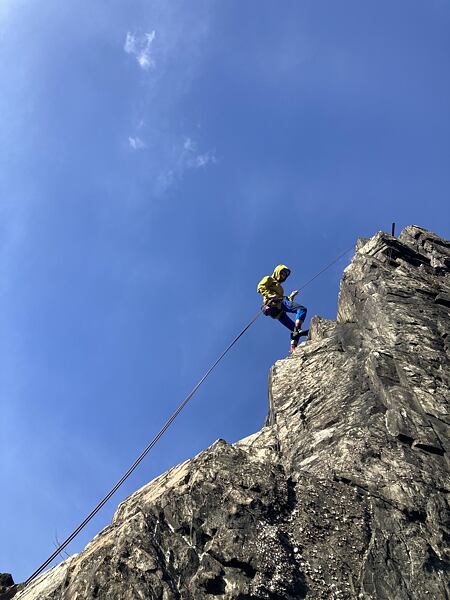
(276, 304)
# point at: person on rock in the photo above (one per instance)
(277, 305)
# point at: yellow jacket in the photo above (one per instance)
(270, 284)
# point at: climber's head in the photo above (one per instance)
(281, 273)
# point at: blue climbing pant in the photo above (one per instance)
(280, 312)
(288, 306)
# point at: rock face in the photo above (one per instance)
(8, 589)
(344, 492)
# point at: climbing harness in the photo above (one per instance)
(160, 434)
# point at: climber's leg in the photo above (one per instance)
(286, 321)
(295, 334)
(300, 317)
(295, 328)
(298, 332)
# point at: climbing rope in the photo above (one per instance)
(161, 432)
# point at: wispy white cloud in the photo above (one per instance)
(191, 159)
(140, 47)
(172, 52)
(189, 145)
(201, 160)
(164, 181)
(136, 143)
(185, 157)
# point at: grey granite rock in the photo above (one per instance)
(8, 588)
(344, 492)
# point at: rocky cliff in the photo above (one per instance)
(343, 494)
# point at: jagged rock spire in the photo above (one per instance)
(342, 495)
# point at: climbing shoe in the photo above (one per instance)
(298, 333)
(295, 337)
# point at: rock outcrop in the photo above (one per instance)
(344, 492)
(8, 588)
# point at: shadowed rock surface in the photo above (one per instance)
(8, 588)
(342, 495)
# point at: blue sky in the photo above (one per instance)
(157, 159)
